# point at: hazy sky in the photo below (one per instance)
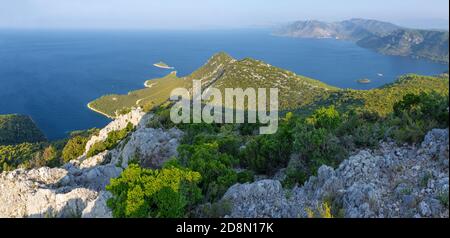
(193, 14)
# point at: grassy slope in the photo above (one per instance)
(431, 45)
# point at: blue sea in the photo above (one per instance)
(52, 75)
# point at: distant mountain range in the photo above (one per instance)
(383, 37)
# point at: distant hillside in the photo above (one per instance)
(355, 29)
(16, 129)
(383, 37)
(296, 92)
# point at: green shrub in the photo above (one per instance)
(361, 130)
(216, 168)
(166, 193)
(194, 131)
(229, 145)
(123, 111)
(259, 155)
(408, 130)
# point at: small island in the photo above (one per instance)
(363, 81)
(162, 65)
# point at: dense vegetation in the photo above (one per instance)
(319, 125)
(296, 93)
(383, 37)
(51, 154)
(30, 155)
(227, 154)
(156, 93)
(165, 193)
(222, 71)
(380, 101)
(16, 129)
(161, 64)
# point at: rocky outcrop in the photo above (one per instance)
(78, 188)
(392, 181)
(135, 117)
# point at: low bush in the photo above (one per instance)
(141, 193)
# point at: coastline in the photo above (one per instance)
(99, 112)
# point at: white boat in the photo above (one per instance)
(380, 75)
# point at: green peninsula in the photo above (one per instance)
(296, 93)
(364, 81)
